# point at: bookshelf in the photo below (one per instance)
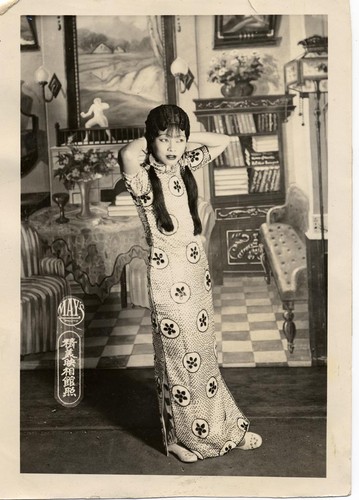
(247, 179)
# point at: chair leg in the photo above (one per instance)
(289, 328)
(265, 264)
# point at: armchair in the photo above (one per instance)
(43, 285)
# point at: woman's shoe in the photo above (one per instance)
(182, 453)
(250, 441)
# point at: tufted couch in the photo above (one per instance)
(137, 270)
(283, 254)
(43, 285)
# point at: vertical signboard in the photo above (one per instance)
(70, 351)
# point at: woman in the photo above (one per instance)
(199, 416)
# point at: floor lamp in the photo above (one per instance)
(308, 75)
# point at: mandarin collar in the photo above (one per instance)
(160, 167)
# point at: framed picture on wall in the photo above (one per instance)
(123, 61)
(240, 31)
(28, 33)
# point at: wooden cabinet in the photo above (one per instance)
(247, 179)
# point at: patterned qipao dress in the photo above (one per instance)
(196, 407)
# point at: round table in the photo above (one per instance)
(96, 250)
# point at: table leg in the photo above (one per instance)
(123, 283)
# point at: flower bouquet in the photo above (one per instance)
(78, 165)
(82, 167)
(234, 70)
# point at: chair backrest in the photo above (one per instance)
(30, 251)
(297, 209)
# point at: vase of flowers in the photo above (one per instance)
(235, 72)
(82, 167)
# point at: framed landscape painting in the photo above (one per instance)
(124, 61)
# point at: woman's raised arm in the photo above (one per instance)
(216, 143)
(129, 156)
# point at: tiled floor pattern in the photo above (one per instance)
(248, 318)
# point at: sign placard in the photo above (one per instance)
(70, 351)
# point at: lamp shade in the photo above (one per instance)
(179, 67)
(42, 75)
(309, 73)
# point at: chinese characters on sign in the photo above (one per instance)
(69, 359)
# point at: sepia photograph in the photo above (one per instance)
(176, 182)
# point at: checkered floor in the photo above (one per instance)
(248, 317)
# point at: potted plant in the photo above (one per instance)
(82, 167)
(235, 72)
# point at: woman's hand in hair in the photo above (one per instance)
(216, 143)
(130, 156)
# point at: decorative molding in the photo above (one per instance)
(270, 101)
(243, 247)
(240, 213)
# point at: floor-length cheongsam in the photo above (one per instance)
(196, 407)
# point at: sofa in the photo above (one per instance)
(283, 254)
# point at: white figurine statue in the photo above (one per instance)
(99, 118)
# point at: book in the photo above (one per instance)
(234, 152)
(247, 125)
(265, 143)
(253, 158)
(235, 123)
(242, 123)
(251, 123)
(231, 192)
(221, 124)
(229, 172)
(265, 155)
(216, 124)
(228, 122)
(121, 210)
(124, 199)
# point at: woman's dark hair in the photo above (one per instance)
(173, 119)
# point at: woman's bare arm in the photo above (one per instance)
(129, 156)
(216, 143)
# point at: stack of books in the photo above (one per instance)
(263, 158)
(122, 206)
(230, 181)
(267, 122)
(263, 179)
(264, 143)
(234, 123)
(232, 155)
(254, 158)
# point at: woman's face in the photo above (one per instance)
(169, 147)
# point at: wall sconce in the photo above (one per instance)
(42, 77)
(179, 69)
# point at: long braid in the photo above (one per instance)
(192, 193)
(159, 205)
